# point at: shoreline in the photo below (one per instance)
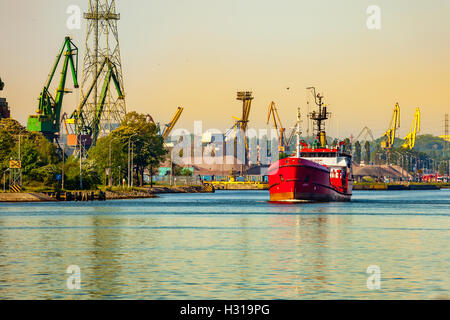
(98, 195)
(398, 187)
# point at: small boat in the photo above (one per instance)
(314, 173)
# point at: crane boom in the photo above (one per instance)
(393, 126)
(47, 118)
(410, 139)
(169, 127)
(281, 131)
(92, 130)
(246, 98)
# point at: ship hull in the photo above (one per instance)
(297, 179)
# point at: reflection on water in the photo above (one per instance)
(230, 245)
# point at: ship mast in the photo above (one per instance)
(319, 118)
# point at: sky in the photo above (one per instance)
(198, 53)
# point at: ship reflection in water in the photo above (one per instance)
(229, 245)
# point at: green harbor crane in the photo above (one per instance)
(47, 118)
(89, 132)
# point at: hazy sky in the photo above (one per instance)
(198, 53)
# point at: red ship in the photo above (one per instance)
(315, 173)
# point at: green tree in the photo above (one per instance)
(7, 144)
(101, 154)
(146, 143)
(347, 146)
(182, 172)
(36, 152)
(357, 152)
(89, 171)
(367, 155)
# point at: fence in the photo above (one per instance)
(176, 180)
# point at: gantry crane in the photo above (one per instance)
(365, 133)
(169, 127)
(90, 131)
(241, 124)
(47, 119)
(246, 98)
(281, 131)
(389, 136)
(410, 139)
(240, 127)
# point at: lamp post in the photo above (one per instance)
(120, 175)
(20, 156)
(81, 174)
(132, 163)
(82, 143)
(129, 141)
(4, 179)
(110, 169)
(64, 160)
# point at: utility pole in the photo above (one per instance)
(128, 169)
(446, 137)
(110, 166)
(132, 163)
(81, 174)
(20, 157)
(20, 160)
(64, 160)
(120, 175)
(129, 141)
(4, 179)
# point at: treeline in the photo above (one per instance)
(42, 161)
(429, 154)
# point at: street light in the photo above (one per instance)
(82, 143)
(4, 179)
(110, 169)
(20, 156)
(132, 163)
(120, 176)
(130, 175)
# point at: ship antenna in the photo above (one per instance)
(299, 132)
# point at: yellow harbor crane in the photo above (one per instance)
(246, 97)
(241, 125)
(281, 131)
(389, 136)
(410, 139)
(169, 127)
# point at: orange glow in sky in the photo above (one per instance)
(198, 53)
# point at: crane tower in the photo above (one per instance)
(102, 42)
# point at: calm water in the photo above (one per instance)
(230, 245)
